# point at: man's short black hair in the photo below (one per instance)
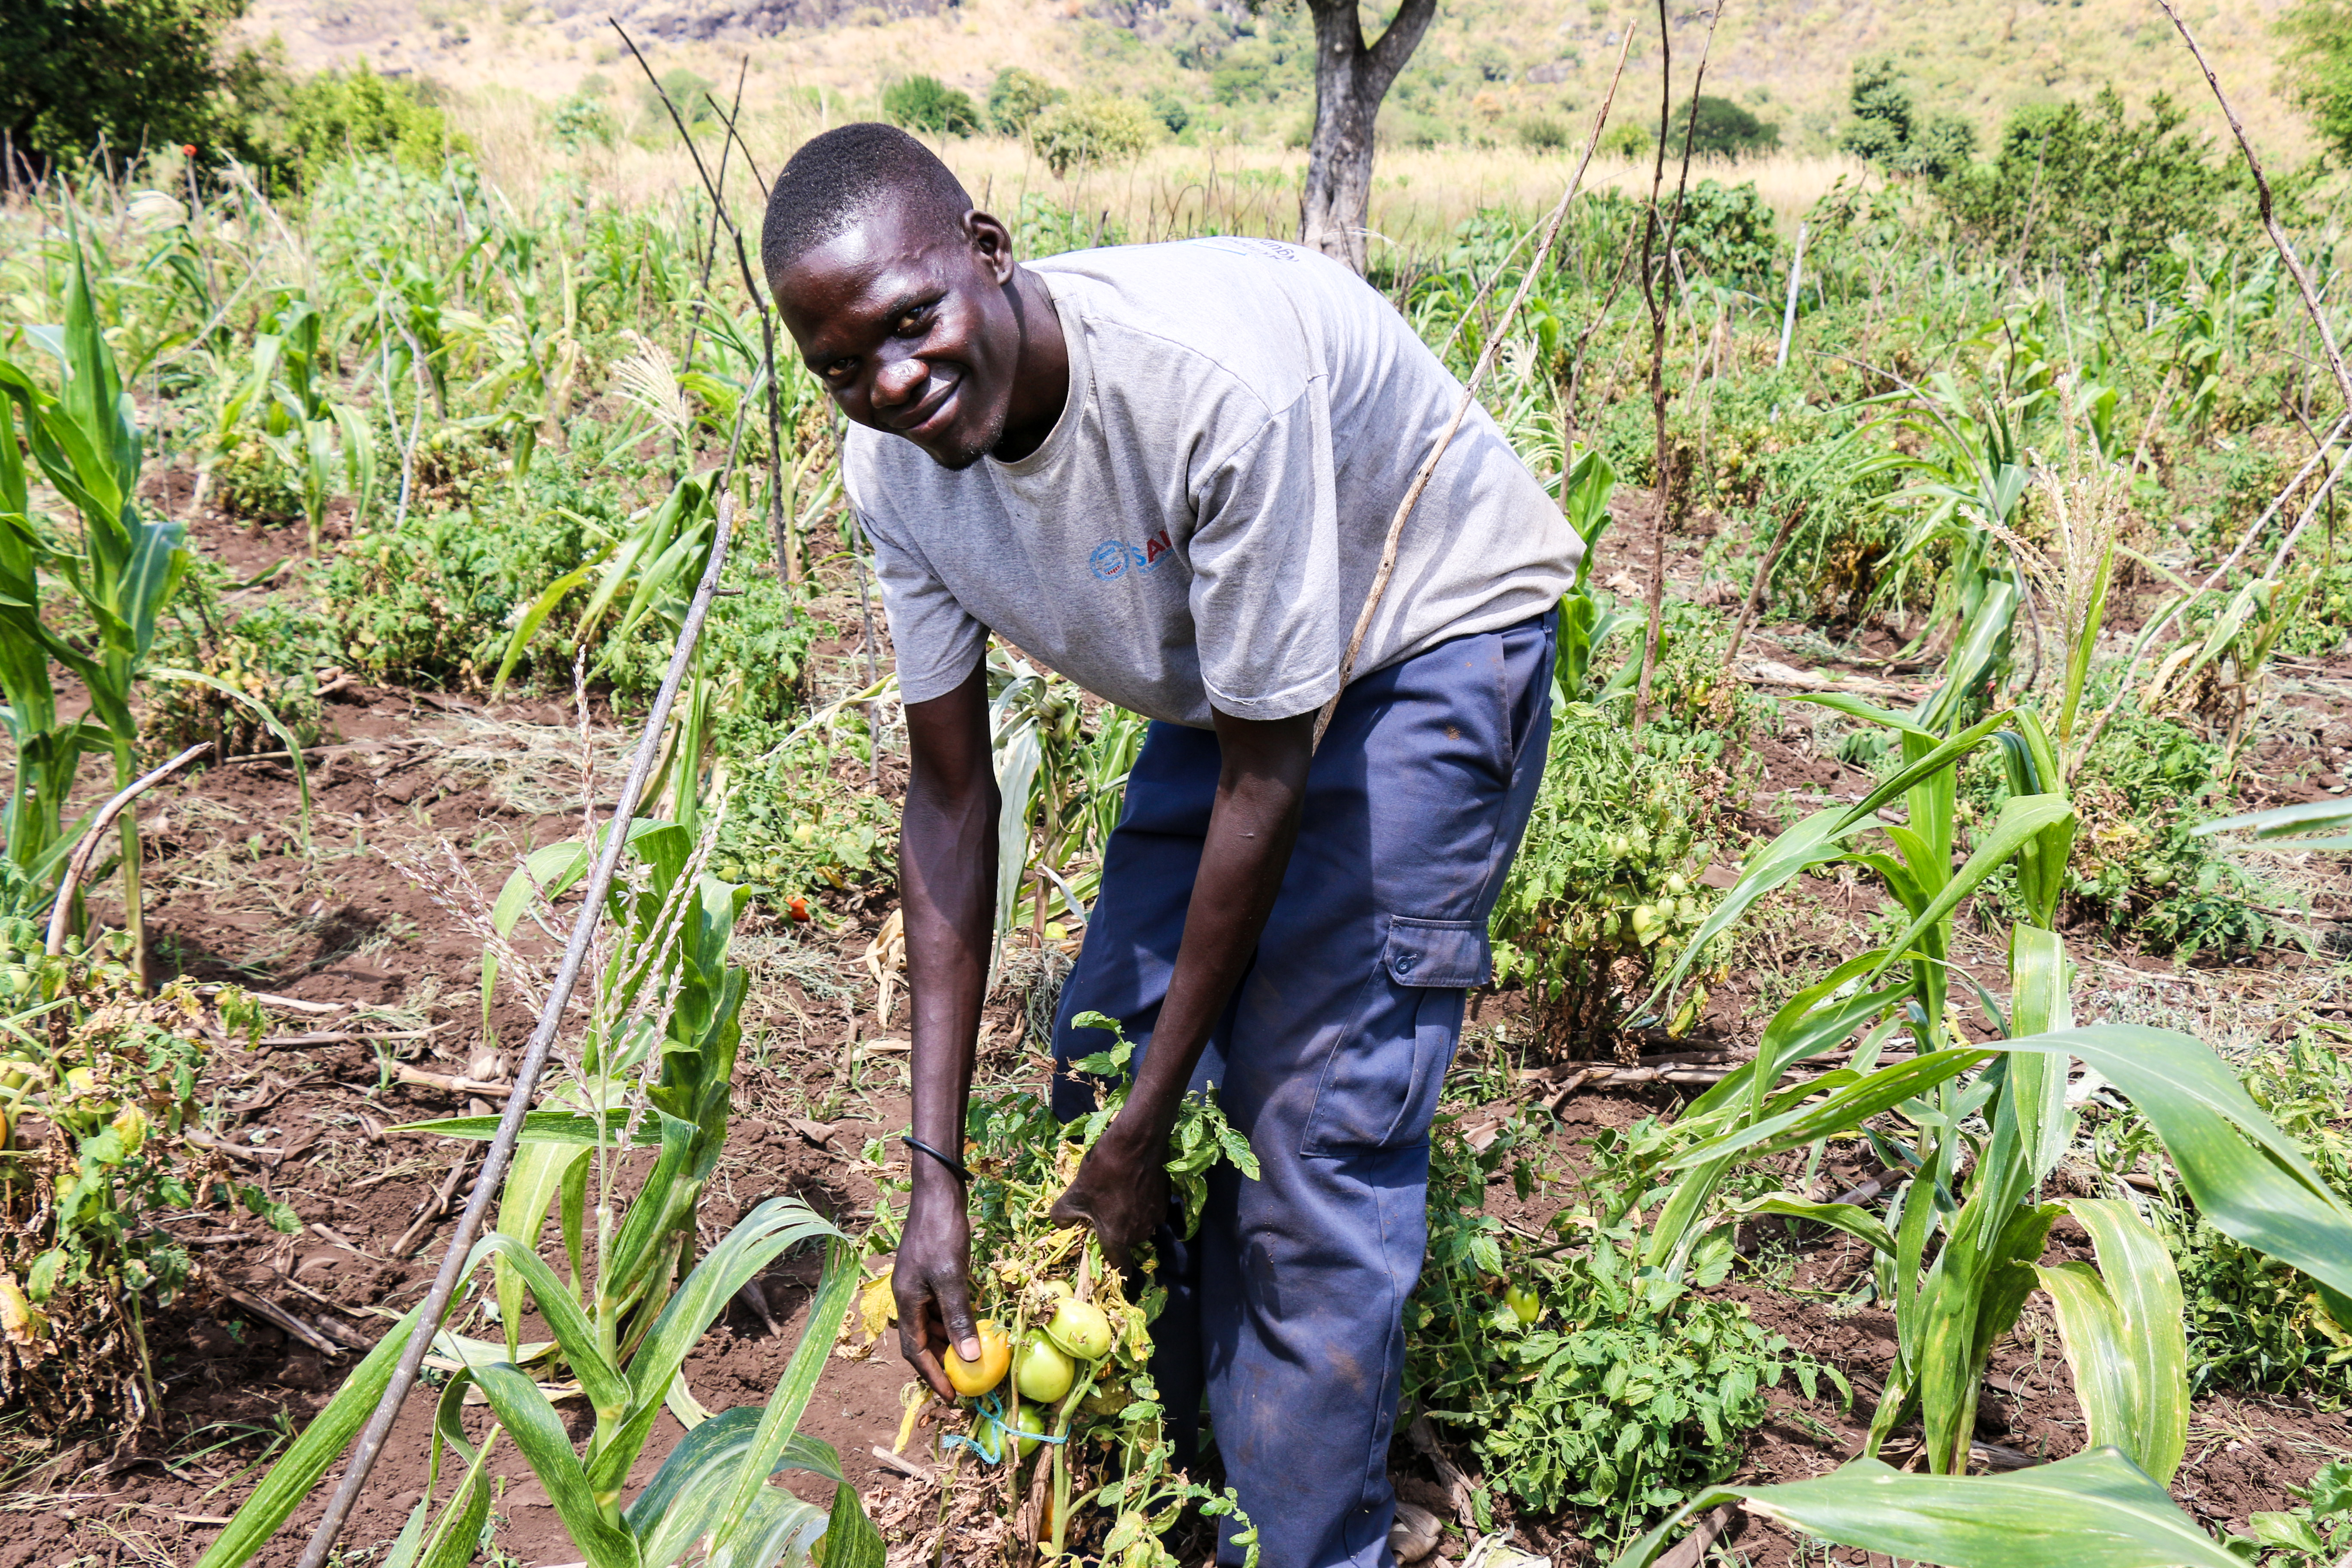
(838, 178)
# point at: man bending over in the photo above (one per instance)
(1166, 471)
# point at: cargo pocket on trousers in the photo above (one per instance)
(1379, 1084)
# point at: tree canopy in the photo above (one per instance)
(77, 75)
(1888, 131)
(2319, 70)
(1720, 128)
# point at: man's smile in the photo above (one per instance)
(931, 415)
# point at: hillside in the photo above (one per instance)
(1232, 77)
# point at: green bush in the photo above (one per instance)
(2318, 66)
(688, 92)
(1626, 139)
(1727, 231)
(1244, 76)
(1544, 133)
(927, 105)
(1016, 98)
(580, 121)
(330, 117)
(1718, 127)
(2074, 181)
(1605, 883)
(1173, 112)
(1092, 129)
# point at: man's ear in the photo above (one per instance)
(992, 245)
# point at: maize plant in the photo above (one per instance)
(655, 1070)
(712, 1491)
(285, 390)
(658, 562)
(1959, 1247)
(123, 569)
(654, 1073)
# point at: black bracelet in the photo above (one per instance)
(950, 1160)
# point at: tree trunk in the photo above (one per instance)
(1350, 79)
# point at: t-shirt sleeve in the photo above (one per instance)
(1264, 554)
(936, 640)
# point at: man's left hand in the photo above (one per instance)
(1121, 1190)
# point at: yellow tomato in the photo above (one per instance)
(975, 1378)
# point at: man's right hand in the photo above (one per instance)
(932, 1282)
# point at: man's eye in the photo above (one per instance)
(914, 322)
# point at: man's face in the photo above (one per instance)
(908, 322)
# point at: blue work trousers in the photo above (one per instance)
(1288, 1306)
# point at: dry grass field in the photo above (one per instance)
(1486, 68)
(1421, 195)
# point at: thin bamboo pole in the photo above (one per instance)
(534, 1060)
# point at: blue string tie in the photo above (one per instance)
(993, 1432)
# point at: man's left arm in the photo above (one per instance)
(1122, 1188)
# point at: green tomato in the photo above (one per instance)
(1081, 1329)
(1524, 1303)
(1040, 1372)
(1031, 1421)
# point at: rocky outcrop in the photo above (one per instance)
(678, 20)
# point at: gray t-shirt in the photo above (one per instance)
(1203, 524)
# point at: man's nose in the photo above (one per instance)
(899, 381)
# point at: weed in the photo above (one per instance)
(1573, 1383)
(2313, 1536)
(273, 656)
(1605, 883)
(99, 1084)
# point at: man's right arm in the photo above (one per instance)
(947, 879)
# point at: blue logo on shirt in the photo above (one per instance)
(1114, 557)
